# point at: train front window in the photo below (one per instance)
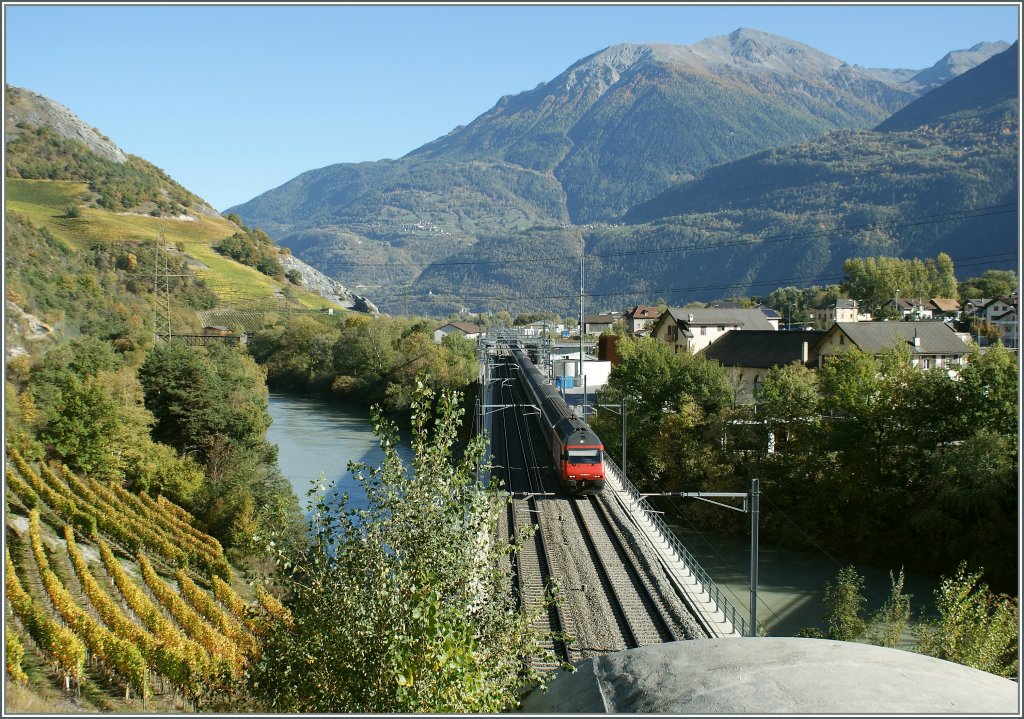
(584, 456)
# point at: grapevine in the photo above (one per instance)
(135, 533)
(59, 644)
(160, 538)
(14, 653)
(208, 608)
(176, 518)
(118, 654)
(168, 655)
(22, 491)
(36, 493)
(194, 625)
(273, 607)
(230, 599)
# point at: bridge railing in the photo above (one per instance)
(712, 589)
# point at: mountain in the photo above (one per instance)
(984, 86)
(669, 110)
(88, 223)
(956, 63)
(614, 130)
(939, 176)
(786, 216)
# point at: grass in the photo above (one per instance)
(45, 203)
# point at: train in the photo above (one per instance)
(577, 452)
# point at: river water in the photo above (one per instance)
(316, 436)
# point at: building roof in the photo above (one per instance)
(763, 349)
(468, 327)
(643, 312)
(945, 305)
(748, 319)
(600, 319)
(1011, 301)
(844, 303)
(725, 305)
(936, 337)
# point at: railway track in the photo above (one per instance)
(531, 564)
(616, 594)
(639, 609)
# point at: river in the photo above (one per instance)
(315, 436)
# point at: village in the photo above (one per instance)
(750, 341)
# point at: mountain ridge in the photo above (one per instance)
(611, 131)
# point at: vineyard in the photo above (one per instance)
(111, 590)
(250, 321)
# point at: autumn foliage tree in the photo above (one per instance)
(402, 606)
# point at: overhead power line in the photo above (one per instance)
(979, 260)
(944, 217)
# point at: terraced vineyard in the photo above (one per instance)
(119, 590)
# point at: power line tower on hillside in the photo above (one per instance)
(162, 277)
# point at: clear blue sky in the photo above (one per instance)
(234, 100)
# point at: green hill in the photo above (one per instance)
(68, 180)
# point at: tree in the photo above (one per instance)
(974, 627)
(992, 283)
(401, 607)
(787, 393)
(844, 603)
(876, 280)
(198, 394)
(83, 428)
(889, 622)
(656, 385)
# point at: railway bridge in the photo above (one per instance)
(625, 580)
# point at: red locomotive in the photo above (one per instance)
(576, 450)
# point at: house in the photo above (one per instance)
(1001, 312)
(747, 356)
(945, 308)
(688, 329)
(842, 310)
(931, 344)
(998, 307)
(974, 307)
(639, 319)
(466, 329)
(1008, 324)
(596, 324)
(774, 317)
(913, 309)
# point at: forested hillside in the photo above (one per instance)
(614, 130)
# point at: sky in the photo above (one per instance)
(235, 100)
